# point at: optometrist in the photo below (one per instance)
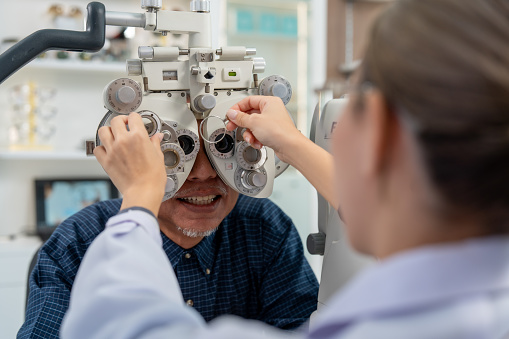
(420, 173)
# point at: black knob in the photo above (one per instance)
(316, 243)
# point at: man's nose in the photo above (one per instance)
(202, 169)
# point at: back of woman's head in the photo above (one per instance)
(443, 66)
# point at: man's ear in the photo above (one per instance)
(382, 127)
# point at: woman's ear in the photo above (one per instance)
(381, 130)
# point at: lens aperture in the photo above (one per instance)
(187, 143)
(251, 155)
(171, 159)
(224, 144)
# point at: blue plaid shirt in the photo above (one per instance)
(253, 266)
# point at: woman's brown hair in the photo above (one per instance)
(443, 66)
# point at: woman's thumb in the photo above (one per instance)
(237, 117)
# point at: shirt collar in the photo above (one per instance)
(421, 278)
(204, 251)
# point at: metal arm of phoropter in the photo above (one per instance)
(38, 42)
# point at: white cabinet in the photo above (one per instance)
(15, 257)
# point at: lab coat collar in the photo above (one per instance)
(419, 279)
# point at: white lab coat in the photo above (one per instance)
(125, 288)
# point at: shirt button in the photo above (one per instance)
(188, 255)
(207, 271)
(190, 303)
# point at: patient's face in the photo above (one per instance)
(199, 206)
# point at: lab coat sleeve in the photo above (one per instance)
(126, 288)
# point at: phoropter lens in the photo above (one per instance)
(225, 145)
(187, 144)
(251, 155)
(171, 159)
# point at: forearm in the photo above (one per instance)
(316, 164)
(144, 197)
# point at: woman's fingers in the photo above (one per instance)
(251, 139)
(106, 136)
(122, 124)
(100, 153)
(230, 126)
(118, 126)
(136, 124)
(156, 140)
(241, 119)
(254, 103)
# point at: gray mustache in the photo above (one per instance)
(192, 190)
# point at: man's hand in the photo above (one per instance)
(268, 123)
(133, 161)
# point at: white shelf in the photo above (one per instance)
(45, 155)
(76, 65)
(265, 37)
(19, 244)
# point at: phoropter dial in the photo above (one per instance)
(250, 158)
(174, 158)
(277, 86)
(172, 184)
(122, 96)
(189, 142)
(250, 182)
(169, 131)
(151, 121)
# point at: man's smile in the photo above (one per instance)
(200, 200)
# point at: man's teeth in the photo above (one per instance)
(200, 200)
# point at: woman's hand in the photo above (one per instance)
(268, 124)
(133, 161)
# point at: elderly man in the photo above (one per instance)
(231, 255)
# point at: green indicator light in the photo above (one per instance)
(232, 74)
